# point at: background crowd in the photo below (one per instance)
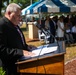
(63, 28)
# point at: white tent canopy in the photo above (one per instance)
(51, 6)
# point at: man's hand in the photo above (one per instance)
(27, 53)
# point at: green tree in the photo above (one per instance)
(22, 3)
(0, 6)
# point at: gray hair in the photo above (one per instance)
(13, 7)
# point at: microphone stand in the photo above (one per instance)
(46, 32)
(49, 33)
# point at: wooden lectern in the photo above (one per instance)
(33, 30)
(48, 64)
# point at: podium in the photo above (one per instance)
(48, 64)
(33, 30)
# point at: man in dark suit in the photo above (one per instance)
(12, 42)
(52, 24)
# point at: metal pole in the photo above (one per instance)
(31, 1)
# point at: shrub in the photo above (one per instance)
(2, 72)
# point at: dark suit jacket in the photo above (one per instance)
(52, 27)
(52, 30)
(11, 45)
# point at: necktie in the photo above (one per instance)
(20, 34)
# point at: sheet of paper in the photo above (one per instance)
(43, 50)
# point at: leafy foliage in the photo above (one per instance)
(2, 72)
(22, 3)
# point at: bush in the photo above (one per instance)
(2, 72)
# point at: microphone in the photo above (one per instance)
(39, 27)
(54, 38)
(44, 30)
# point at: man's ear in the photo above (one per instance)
(9, 13)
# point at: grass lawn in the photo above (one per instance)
(70, 50)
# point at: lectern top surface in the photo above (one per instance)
(57, 49)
